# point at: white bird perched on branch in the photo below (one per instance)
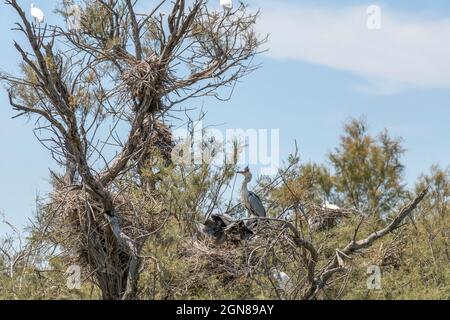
(227, 4)
(37, 13)
(330, 206)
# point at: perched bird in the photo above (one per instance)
(250, 200)
(227, 4)
(330, 206)
(281, 278)
(37, 14)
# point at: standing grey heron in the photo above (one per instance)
(249, 199)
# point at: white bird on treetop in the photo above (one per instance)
(330, 206)
(227, 4)
(37, 13)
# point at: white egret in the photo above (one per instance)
(37, 13)
(330, 206)
(227, 4)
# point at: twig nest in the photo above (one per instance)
(324, 219)
(141, 77)
(80, 224)
(228, 263)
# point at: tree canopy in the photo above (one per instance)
(131, 220)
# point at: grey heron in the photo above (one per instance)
(249, 199)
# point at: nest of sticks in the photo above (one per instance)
(218, 249)
(160, 142)
(80, 225)
(227, 262)
(232, 250)
(141, 77)
(321, 219)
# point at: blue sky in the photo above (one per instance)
(323, 67)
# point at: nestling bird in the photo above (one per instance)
(227, 4)
(330, 206)
(249, 199)
(37, 14)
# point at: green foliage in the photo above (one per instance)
(368, 170)
(309, 182)
(415, 260)
(50, 283)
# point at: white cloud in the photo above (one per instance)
(407, 52)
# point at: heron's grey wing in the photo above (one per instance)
(256, 205)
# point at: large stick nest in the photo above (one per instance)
(160, 141)
(80, 225)
(320, 218)
(141, 78)
(233, 249)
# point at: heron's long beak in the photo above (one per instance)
(241, 172)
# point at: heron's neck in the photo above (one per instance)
(245, 183)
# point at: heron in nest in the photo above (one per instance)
(249, 199)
